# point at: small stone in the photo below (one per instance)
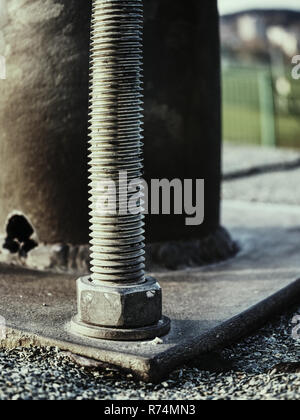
(157, 341)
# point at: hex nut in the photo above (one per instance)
(119, 306)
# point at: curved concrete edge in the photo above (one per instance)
(74, 259)
(236, 328)
(216, 247)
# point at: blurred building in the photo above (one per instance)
(285, 39)
(251, 28)
(256, 31)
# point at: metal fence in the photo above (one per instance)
(260, 106)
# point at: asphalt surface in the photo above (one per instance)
(260, 174)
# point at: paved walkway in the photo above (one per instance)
(261, 174)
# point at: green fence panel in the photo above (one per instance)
(255, 112)
(241, 104)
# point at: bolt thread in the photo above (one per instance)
(116, 106)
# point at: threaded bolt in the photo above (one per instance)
(117, 242)
(117, 302)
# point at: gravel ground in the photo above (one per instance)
(265, 366)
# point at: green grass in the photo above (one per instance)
(288, 131)
(241, 124)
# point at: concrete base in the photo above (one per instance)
(171, 255)
(209, 307)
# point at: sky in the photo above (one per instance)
(231, 6)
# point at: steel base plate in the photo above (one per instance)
(209, 307)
